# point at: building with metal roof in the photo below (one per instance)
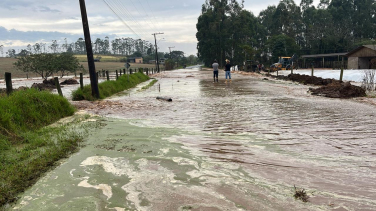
(363, 57)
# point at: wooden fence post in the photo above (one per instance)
(117, 76)
(119, 71)
(81, 81)
(124, 71)
(57, 84)
(341, 75)
(291, 66)
(108, 75)
(312, 71)
(130, 71)
(8, 81)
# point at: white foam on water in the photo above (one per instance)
(106, 189)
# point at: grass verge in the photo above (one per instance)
(22, 165)
(149, 85)
(27, 147)
(109, 88)
(29, 110)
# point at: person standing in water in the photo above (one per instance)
(215, 70)
(228, 70)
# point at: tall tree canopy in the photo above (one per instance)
(225, 30)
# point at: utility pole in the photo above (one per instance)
(156, 50)
(170, 50)
(89, 50)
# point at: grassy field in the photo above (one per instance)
(110, 63)
(104, 58)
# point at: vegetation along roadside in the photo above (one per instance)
(30, 146)
(27, 147)
(109, 88)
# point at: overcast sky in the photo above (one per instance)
(24, 22)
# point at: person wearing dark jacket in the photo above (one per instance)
(228, 70)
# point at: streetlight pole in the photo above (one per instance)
(156, 50)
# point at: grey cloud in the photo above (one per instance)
(6, 36)
(14, 5)
(46, 9)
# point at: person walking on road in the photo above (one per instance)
(228, 70)
(215, 70)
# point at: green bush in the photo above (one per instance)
(30, 109)
(109, 88)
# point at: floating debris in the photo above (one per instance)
(301, 194)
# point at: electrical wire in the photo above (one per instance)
(126, 17)
(105, 1)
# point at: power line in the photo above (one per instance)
(152, 12)
(155, 24)
(140, 13)
(125, 12)
(129, 20)
(105, 1)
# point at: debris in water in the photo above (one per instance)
(164, 98)
(301, 194)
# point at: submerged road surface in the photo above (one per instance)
(217, 146)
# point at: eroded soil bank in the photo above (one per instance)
(216, 146)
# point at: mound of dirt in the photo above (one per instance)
(50, 81)
(43, 86)
(329, 87)
(339, 90)
(305, 79)
(70, 81)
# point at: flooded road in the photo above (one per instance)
(217, 146)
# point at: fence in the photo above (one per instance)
(103, 73)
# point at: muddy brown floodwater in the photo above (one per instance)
(217, 146)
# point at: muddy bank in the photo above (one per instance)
(329, 87)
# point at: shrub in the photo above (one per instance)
(109, 88)
(31, 109)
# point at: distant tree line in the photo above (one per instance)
(118, 46)
(226, 30)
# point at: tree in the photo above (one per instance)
(54, 46)
(65, 45)
(192, 59)
(37, 48)
(46, 65)
(24, 52)
(282, 45)
(11, 53)
(137, 54)
(41, 64)
(217, 30)
(2, 50)
(79, 46)
(67, 62)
